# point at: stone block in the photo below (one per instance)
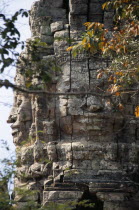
(94, 104)
(96, 1)
(61, 195)
(58, 14)
(111, 153)
(78, 9)
(25, 205)
(95, 8)
(36, 169)
(100, 136)
(66, 69)
(83, 155)
(75, 35)
(96, 18)
(112, 196)
(63, 101)
(109, 165)
(62, 165)
(97, 64)
(64, 151)
(137, 133)
(61, 34)
(79, 128)
(120, 205)
(77, 21)
(57, 26)
(42, 21)
(81, 119)
(51, 149)
(78, 2)
(45, 30)
(75, 106)
(84, 164)
(80, 146)
(84, 175)
(129, 109)
(64, 84)
(63, 111)
(26, 198)
(23, 173)
(26, 155)
(50, 127)
(60, 46)
(66, 125)
(47, 39)
(108, 19)
(79, 76)
(32, 185)
(39, 151)
(95, 164)
(51, 3)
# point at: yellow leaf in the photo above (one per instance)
(114, 88)
(28, 84)
(99, 75)
(111, 47)
(104, 5)
(121, 107)
(90, 33)
(101, 45)
(90, 26)
(117, 93)
(137, 111)
(74, 53)
(125, 64)
(119, 73)
(86, 24)
(115, 80)
(88, 45)
(84, 41)
(92, 49)
(69, 48)
(111, 78)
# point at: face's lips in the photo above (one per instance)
(15, 125)
(15, 129)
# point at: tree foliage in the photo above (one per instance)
(9, 39)
(6, 172)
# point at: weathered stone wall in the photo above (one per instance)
(71, 147)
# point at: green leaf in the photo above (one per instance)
(74, 53)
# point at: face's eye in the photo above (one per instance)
(19, 102)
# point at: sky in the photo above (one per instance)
(6, 95)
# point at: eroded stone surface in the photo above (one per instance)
(68, 146)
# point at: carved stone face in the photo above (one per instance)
(21, 117)
(85, 145)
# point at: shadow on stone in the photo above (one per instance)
(91, 199)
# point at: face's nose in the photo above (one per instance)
(24, 111)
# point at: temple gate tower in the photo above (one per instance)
(71, 147)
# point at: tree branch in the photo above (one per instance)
(22, 89)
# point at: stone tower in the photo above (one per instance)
(71, 145)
